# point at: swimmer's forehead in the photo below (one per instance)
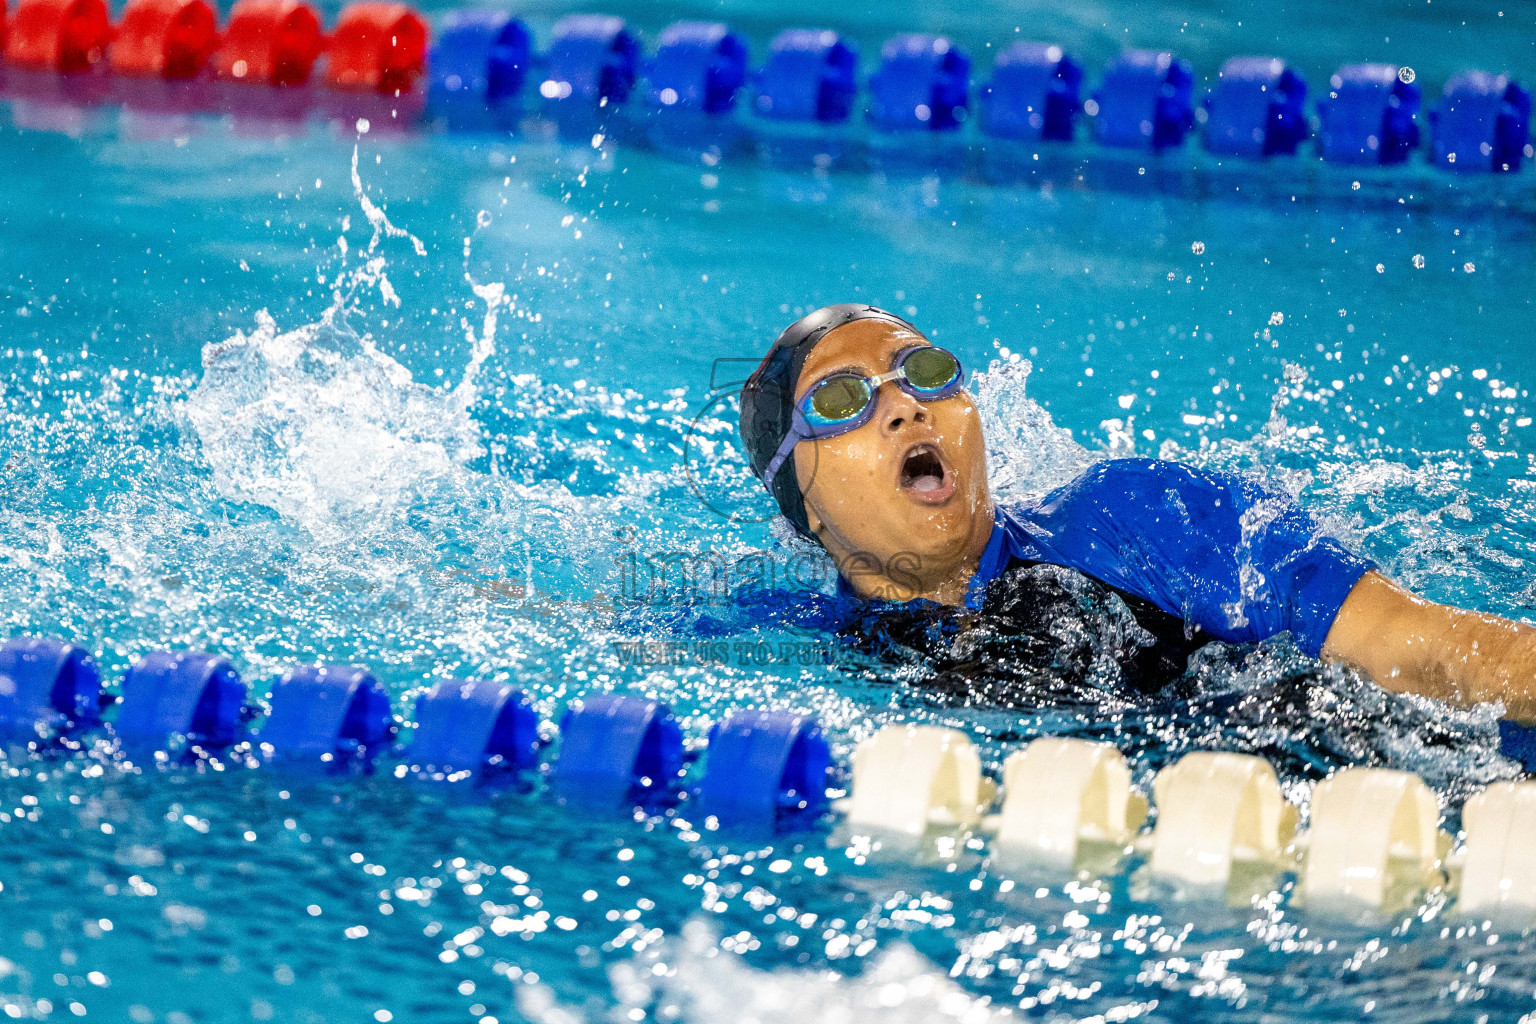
(864, 345)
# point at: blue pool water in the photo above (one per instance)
(240, 414)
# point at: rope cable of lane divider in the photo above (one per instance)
(484, 72)
(1224, 825)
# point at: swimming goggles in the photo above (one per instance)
(846, 401)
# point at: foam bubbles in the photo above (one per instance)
(1027, 454)
(701, 984)
(321, 426)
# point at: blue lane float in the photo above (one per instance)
(810, 75)
(616, 747)
(1145, 101)
(699, 66)
(593, 59)
(46, 688)
(187, 694)
(1369, 117)
(765, 766)
(1257, 109)
(480, 58)
(1482, 123)
(331, 714)
(1035, 94)
(475, 726)
(923, 84)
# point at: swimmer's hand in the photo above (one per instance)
(1410, 645)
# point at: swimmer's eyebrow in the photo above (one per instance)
(850, 368)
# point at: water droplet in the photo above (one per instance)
(1355, 185)
(1381, 268)
(1405, 75)
(1276, 318)
(1469, 266)
(1418, 261)
(1198, 248)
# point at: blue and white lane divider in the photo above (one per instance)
(186, 693)
(1224, 828)
(327, 713)
(466, 726)
(922, 84)
(593, 60)
(1033, 95)
(699, 67)
(619, 748)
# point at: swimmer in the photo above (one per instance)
(864, 434)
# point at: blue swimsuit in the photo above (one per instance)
(1234, 561)
(1219, 551)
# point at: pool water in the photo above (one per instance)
(444, 405)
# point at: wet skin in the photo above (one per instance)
(893, 534)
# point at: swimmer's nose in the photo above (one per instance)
(898, 410)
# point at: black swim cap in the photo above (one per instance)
(768, 397)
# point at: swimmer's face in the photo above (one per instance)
(910, 486)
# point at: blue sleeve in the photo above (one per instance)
(1240, 562)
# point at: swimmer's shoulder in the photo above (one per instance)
(1123, 486)
(1166, 510)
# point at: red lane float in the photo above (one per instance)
(164, 39)
(270, 42)
(377, 47)
(58, 35)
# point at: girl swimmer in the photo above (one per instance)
(865, 436)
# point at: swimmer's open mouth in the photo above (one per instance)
(925, 476)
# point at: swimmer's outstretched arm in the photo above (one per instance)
(1408, 644)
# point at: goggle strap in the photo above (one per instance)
(797, 432)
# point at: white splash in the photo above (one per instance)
(1027, 454)
(699, 983)
(376, 217)
(321, 425)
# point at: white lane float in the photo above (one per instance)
(1066, 802)
(1373, 841)
(909, 778)
(1498, 862)
(1220, 818)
